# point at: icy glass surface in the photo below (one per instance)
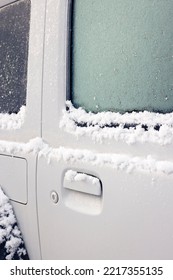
(14, 36)
(122, 55)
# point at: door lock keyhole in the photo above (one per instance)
(54, 197)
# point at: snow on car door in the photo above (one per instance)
(104, 181)
(21, 54)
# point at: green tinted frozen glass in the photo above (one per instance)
(122, 55)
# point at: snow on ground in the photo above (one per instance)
(11, 243)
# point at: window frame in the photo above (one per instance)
(31, 126)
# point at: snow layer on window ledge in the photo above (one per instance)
(11, 242)
(115, 161)
(12, 121)
(149, 127)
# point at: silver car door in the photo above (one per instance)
(21, 59)
(104, 181)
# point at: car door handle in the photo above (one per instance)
(82, 182)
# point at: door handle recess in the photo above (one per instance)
(82, 182)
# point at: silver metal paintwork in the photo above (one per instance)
(133, 217)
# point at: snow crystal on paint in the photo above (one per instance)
(73, 176)
(142, 127)
(112, 160)
(12, 121)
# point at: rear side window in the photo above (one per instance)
(122, 55)
(14, 37)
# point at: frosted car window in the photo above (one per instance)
(122, 55)
(14, 33)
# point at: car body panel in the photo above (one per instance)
(131, 217)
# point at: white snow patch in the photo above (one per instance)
(12, 121)
(73, 176)
(96, 126)
(115, 161)
(112, 160)
(9, 232)
(33, 146)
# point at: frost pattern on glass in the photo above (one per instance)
(14, 37)
(122, 55)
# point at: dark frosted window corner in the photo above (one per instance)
(14, 40)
